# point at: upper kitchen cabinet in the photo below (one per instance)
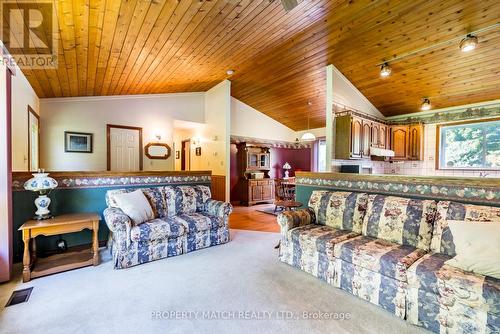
(399, 141)
(407, 142)
(366, 138)
(416, 142)
(348, 137)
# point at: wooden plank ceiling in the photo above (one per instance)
(109, 47)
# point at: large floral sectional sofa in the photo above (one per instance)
(391, 251)
(185, 219)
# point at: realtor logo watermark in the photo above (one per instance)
(29, 33)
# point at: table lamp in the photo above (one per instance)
(286, 167)
(42, 184)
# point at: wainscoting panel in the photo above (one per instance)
(219, 187)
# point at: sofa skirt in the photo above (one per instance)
(141, 252)
(439, 315)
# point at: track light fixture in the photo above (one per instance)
(426, 104)
(469, 43)
(385, 70)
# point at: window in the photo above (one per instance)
(321, 155)
(469, 146)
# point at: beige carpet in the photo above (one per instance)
(240, 287)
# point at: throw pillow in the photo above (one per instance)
(477, 245)
(135, 205)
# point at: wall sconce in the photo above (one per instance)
(158, 136)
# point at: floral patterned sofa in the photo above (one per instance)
(391, 251)
(186, 219)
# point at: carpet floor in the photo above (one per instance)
(239, 287)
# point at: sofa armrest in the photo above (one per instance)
(218, 208)
(288, 220)
(118, 223)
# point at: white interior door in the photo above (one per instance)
(124, 149)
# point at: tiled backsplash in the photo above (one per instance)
(427, 167)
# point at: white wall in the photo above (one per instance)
(154, 113)
(249, 122)
(22, 96)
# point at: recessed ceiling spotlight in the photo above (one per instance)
(426, 104)
(230, 72)
(469, 43)
(385, 70)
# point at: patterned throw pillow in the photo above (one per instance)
(405, 221)
(442, 239)
(340, 210)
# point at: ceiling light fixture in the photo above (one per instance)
(385, 70)
(230, 72)
(469, 43)
(426, 104)
(308, 136)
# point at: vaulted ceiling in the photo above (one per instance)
(109, 47)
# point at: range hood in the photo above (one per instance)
(381, 152)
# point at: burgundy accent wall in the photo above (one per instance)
(299, 159)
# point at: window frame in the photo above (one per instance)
(438, 145)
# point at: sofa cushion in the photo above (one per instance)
(453, 285)
(381, 256)
(405, 221)
(154, 195)
(196, 222)
(442, 240)
(186, 199)
(340, 210)
(160, 228)
(318, 238)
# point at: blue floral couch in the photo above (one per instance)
(391, 251)
(186, 219)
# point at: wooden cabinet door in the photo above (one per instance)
(375, 141)
(356, 137)
(267, 191)
(399, 142)
(255, 191)
(382, 136)
(366, 137)
(415, 151)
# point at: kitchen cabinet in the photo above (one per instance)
(399, 141)
(416, 143)
(348, 137)
(366, 138)
(407, 142)
(383, 136)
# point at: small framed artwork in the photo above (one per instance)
(177, 154)
(78, 142)
(198, 151)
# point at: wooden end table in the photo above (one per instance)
(60, 262)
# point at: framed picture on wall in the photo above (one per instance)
(77, 142)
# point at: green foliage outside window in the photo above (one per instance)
(474, 145)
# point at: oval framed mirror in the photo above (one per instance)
(159, 151)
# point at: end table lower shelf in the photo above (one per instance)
(33, 267)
